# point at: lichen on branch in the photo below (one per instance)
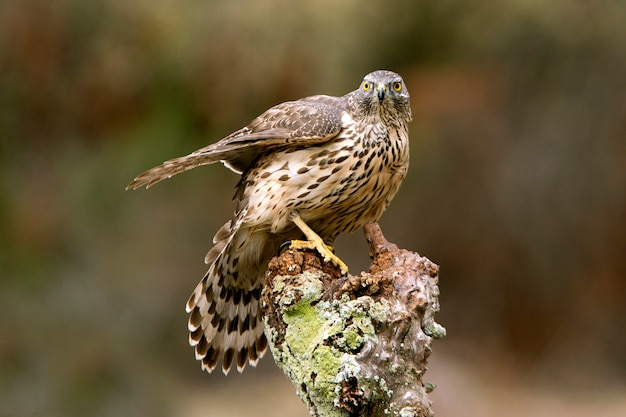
(355, 345)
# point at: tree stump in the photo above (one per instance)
(355, 345)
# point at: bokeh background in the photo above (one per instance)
(517, 189)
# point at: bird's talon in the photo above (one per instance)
(284, 246)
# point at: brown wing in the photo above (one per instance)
(304, 122)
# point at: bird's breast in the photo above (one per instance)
(336, 187)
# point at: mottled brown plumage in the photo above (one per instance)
(332, 163)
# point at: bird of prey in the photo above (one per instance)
(310, 169)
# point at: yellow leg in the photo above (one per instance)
(315, 242)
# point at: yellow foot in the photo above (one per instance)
(315, 242)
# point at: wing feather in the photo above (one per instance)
(309, 121)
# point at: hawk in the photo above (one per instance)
(310, 169)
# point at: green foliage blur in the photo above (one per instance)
(517, 186)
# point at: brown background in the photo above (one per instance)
(517, 189)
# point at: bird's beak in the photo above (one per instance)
(381, 91)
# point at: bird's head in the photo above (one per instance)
(382, 93)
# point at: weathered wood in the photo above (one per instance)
(357, 345)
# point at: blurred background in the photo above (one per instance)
(517, 189)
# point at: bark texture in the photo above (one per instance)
(357, 345)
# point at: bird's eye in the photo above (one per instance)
(366, 86)
(397, 86)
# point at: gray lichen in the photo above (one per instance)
(358, 345)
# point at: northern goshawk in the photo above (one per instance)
(310, 169)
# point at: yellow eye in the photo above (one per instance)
(366, 86)
(397, 86)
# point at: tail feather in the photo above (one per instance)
(224, 309)
(221, 238)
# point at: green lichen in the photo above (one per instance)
(353, 338)
(434, 330)
(320, 342)
(362, 314)
(308, 360)
(356, 354)
(303, 327)
(385, 391)
(326, 363)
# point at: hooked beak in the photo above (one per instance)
(381, 91)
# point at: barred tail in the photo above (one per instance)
(225, 314)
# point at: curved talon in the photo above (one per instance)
(284, 246)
